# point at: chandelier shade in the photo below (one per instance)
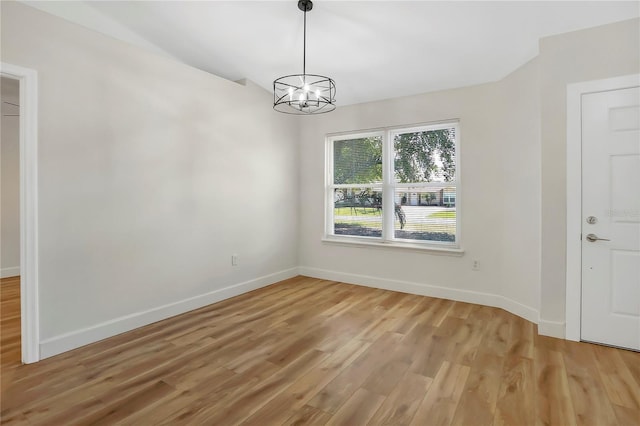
(304, 94)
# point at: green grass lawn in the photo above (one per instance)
(447, 214)
(371, 211)
(354, 211)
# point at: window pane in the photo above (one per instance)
(427, 156)
(357, 161)
(357, 211)
(426, 214)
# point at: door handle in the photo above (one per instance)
(592, 238)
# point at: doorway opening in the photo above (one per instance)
(10, 222)
(27, 267)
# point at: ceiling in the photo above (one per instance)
(372, 49)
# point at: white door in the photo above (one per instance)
(611, 218)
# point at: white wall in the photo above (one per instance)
(499, 136)
(519, 128)
(591, 54)
(10, 180)
(151, 174)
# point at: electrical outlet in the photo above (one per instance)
(475, 265)
(234, 260)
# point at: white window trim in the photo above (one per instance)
(388, 186)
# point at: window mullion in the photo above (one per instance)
(330, 185)
(388, 190)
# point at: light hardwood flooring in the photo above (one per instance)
(308, 351)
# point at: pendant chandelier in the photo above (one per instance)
(304, 94)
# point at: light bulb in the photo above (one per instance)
(318, 94)
(290, 94)
(303, 101)
(306, 88)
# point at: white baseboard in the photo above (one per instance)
(519, 309)
(68, 341)
(468, 296)
(551, 328)
(13, 271)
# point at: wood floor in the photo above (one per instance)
(308, 351)
(9, 322)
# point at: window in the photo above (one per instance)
(394, 186)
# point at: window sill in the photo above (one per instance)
(358, 242)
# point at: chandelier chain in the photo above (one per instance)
(304, 44)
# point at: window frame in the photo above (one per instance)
(388, 187)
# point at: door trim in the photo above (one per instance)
(575, 92)
(29, 309)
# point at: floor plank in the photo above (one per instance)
(618, 380)
(587, 390)
(554, 404)
(358, 409)
(401, 404)
(441, 401)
